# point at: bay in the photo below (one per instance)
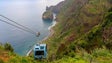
(29, 14)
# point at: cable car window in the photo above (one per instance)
(37, 48)
(39, 53)
(42, 47)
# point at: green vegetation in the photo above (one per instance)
(7, 46)
(82, 25)
(8, 56)
(83, 34)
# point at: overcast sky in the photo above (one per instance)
(29, 0)
(47, 2)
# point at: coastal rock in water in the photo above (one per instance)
(48, 15)
(56, 9)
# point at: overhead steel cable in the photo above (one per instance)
(18, 24)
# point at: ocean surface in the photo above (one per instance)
(29, 14)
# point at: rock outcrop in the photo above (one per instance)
(55, 9)
(48, 15)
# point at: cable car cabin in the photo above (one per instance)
(38, 34)
(40, 51)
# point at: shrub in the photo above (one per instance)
(8, 47)
(1, 61)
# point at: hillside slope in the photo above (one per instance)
(80, 28)
(8, 56)
(83, 34)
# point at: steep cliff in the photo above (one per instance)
(80, 29)
(83, 33)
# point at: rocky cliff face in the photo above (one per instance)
(48, 14)
(80, 27)
(57, 8)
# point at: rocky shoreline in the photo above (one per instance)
(48, 15)
(51, 33)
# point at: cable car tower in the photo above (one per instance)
(19, 26)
